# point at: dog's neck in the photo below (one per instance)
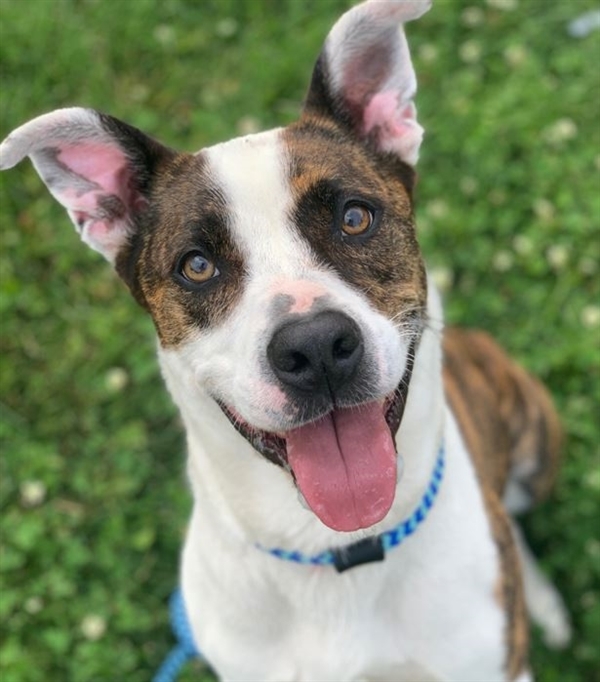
(256, 501)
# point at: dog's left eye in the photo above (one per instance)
(196, 268)
(357, 219)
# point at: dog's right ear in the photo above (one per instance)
(364, 78)
(99, 168)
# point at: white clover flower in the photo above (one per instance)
(557, 256)
(247, 125)
(93, 627)
(544, 209)
(470, 51)
(210, 97)
(497, 196)
(515, 55)
(428, 52)
(503, 261)
(468, 185)
(164, 34)
(437, 209)
(592, 546)
(34, 605)
(424, 223)
(473, 16)
(116, 379)
(33, 493)
(590, 316)
(563, 130)
(139, 92)
(504, 5)
(592, 479)
(226, 28)
(442, 278)
(523, 245)
(588, 265)
(584, 24)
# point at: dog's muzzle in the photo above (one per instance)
(342, 455)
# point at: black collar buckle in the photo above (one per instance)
(362, 552)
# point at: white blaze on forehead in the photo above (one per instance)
(252, 172)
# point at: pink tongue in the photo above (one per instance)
(345, 466)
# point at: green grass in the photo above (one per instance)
(509, 212)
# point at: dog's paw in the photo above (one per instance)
(555, 622)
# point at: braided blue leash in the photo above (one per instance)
(364, 551)
(185, 648)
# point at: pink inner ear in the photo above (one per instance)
(99, 194)
(382, 112)
(100, 164)
(104, 194)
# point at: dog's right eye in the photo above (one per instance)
(196, 268)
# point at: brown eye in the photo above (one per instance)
(198, 269)
(357, 219)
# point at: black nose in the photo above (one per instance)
(320, 353)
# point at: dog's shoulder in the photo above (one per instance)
(506, 416)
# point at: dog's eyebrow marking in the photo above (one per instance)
(189, 212)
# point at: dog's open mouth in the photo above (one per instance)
(345, 462)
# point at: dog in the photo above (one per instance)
(354, 465)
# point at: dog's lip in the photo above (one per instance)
(272, 444)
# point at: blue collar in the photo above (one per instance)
(343, 558)
(371, 548)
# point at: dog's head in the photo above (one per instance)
(281, 268)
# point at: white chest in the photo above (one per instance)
(427, 612)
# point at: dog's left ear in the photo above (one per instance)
(364, 77)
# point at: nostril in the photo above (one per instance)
(344, 347)
(297, 362)
(287, 360)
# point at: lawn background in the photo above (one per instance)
(92, 491)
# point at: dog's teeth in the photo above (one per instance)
(400, 468)
(302, 501)
(285, 466)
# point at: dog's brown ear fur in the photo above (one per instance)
(364, 77)
(99, 168)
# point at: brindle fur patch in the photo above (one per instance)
(186, 212)
(328, 167)
(506, 415)
(510, 586)
(508, 421)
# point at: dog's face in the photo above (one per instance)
(283, 267)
